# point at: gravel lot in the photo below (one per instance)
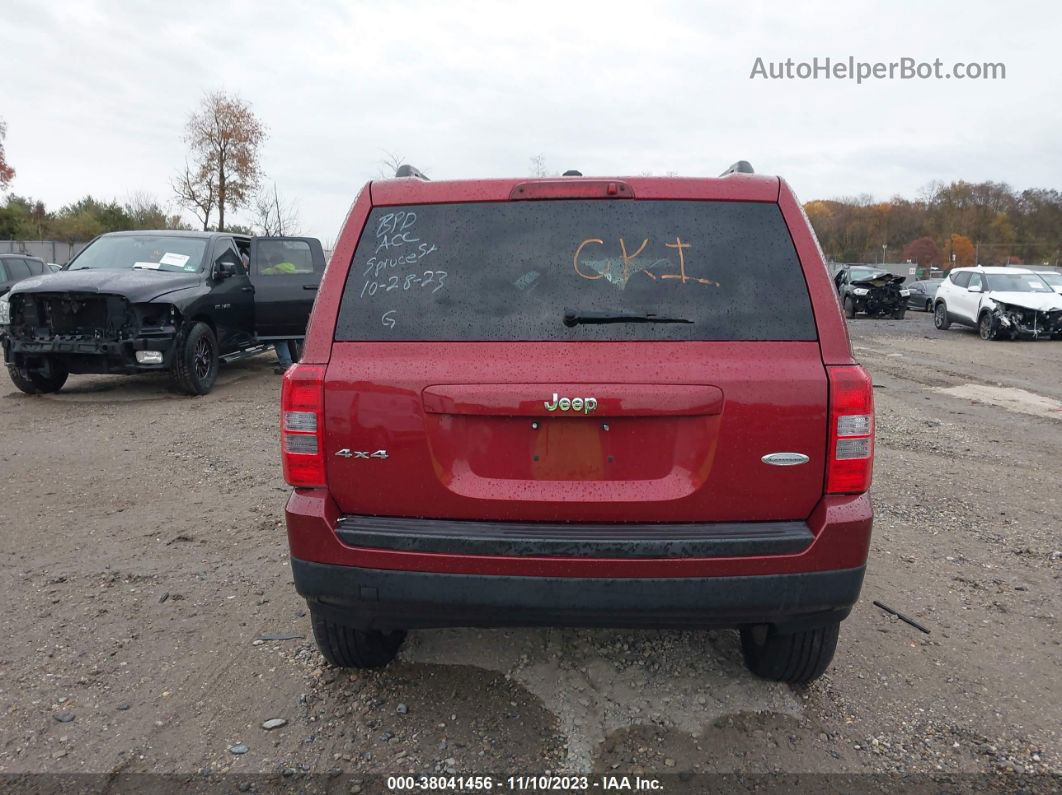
(144, 557)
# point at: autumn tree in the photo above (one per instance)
(6, 172)
(922, 251)
(224, 137)
(958, 251)
(1001, 221)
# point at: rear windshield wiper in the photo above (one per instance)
(575, 317)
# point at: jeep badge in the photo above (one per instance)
(583, 404)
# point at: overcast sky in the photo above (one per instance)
(96, 94)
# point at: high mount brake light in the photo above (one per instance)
(572, 189)
(850, 457)
(302, 426)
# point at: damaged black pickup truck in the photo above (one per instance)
(176, 302)
(874, 291)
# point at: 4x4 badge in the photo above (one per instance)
(348, 453)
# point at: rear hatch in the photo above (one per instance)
(576, 360)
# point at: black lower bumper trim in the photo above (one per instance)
(385, 599)
(514, 539)
(90, 356)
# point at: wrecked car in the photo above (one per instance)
(1000, 302)
(874, 291)
(159, 301)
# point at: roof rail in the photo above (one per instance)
(740, 167)
(406, 170)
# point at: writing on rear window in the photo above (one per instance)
(512, 271)
(619, 272)
(395, 263)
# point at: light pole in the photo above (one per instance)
(884, 246)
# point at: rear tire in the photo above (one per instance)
(346, 647)
(849, 307)
(898, 314)
(940, 316)
(195, 360)
(929, 306)
(34, 382)
(796, 658)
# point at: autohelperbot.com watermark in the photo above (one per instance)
(863, 71)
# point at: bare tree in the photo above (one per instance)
(389, 164)
(538, 166)
(195, 192)
(224, 136)
(274, 217)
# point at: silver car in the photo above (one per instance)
(922, 294)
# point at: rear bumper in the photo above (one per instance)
(517, 539)
(380, 599)
(449, 579)
(839, 529)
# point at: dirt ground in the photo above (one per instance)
(144, 556)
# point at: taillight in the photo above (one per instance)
(850, 457)
(302, 426)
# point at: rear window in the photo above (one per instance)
(509, 271)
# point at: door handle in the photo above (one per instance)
(309, 287)
(246, 289)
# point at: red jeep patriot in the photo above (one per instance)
(584, 402)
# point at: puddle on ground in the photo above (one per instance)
(600, 681)
(1009, 398)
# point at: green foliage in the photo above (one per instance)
(987, 221)
(22, 218)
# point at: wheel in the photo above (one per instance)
(346, 647)
(929, 306)
(897, 314)
(797, 657)
(195, 360)
(940, 316)
(849, 307)
(987, 326)
(38, 382)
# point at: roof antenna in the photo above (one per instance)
(406, 170)
(740, 167)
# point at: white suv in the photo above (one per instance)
(1000, 303)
